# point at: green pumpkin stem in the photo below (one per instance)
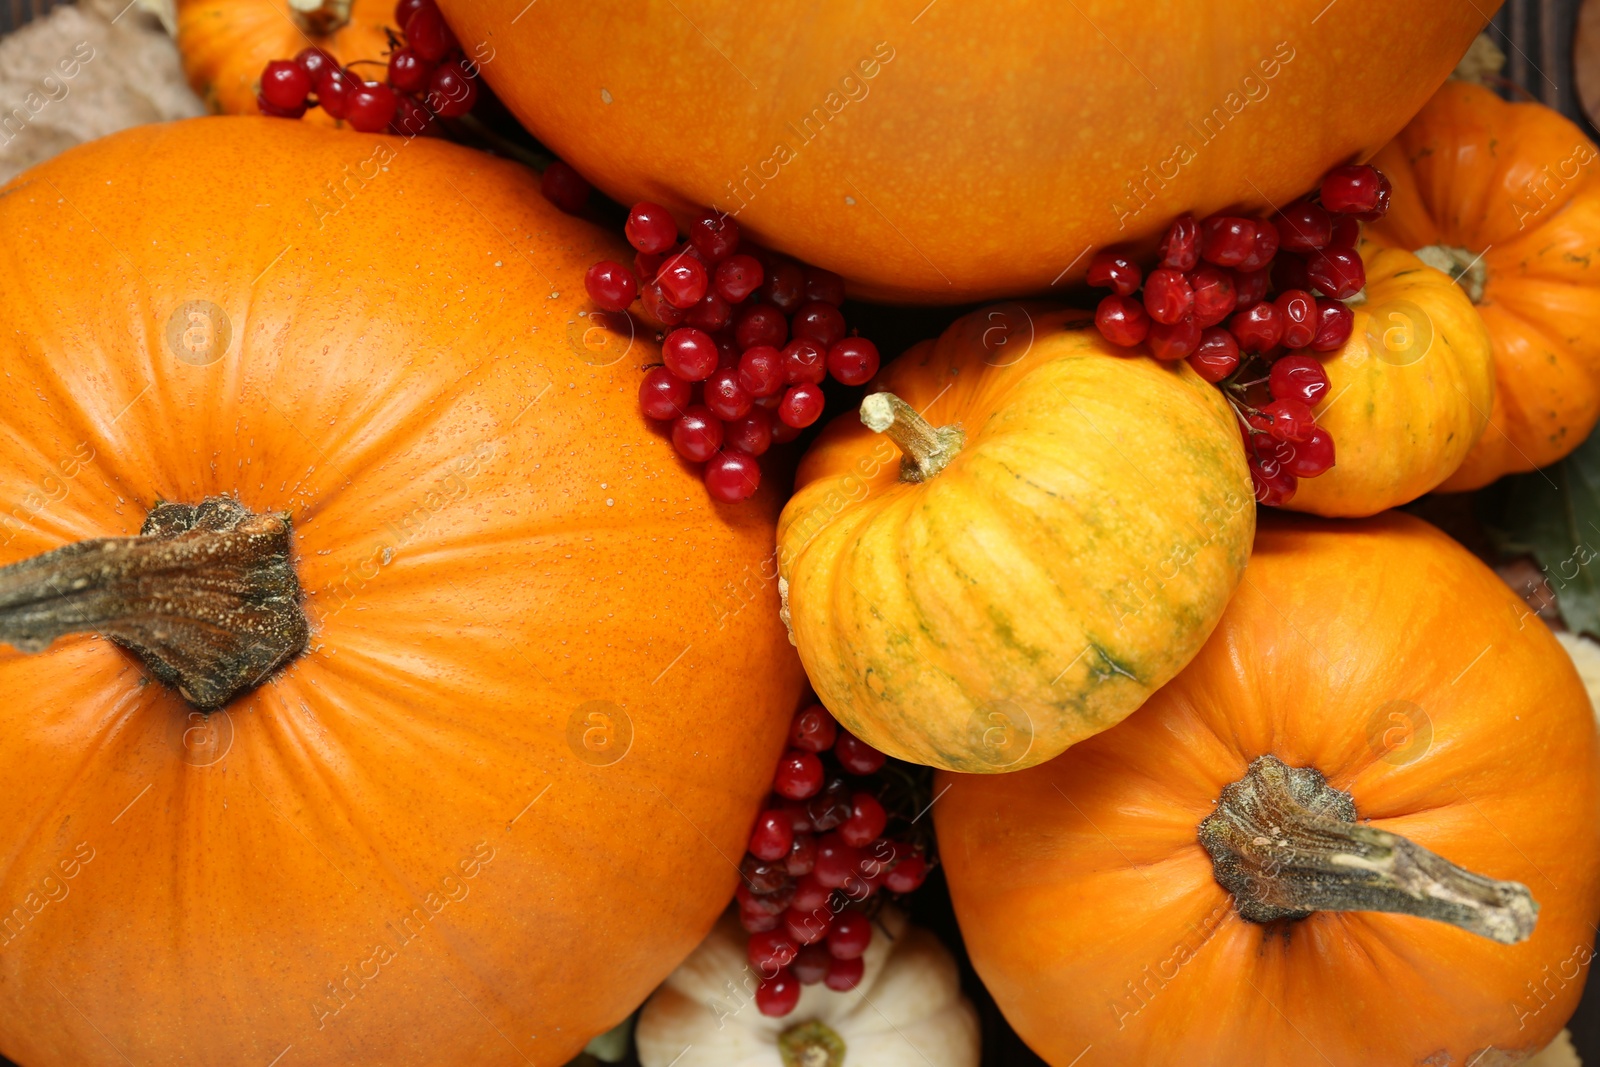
(206, 595)
(811, 1044)
(1465, 268)
(1287, 844)
(928, 448)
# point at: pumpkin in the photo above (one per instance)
(1381, 718)
(472, 808)
(1506, 197)
(940, 152)
(1043, 534)
(907, 1011)
(1408, 394)
(226, 44)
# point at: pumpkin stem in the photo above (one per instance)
(206, 595)
(318, 18)
(1465, 268)
(811, 1044)
(928, 448)
(1286, 844)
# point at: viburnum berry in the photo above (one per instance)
(697, 434)
(737, 277)
(1356, 190)
(285, 84)
(770, 951)
(807, 927)
(845, 975)
(1180, 245)
(1303, 226)
(1266, 246)
(452, 91)
(836, 861)
(772, 837)
(411, 119)
(1298, 309)
(1274, 485)
(689, 353)
(907, 875)
(409, 72)
(777, 996)
(801, 405)
(853, 361)
(855, 755)
(760, 324)
(334, 87)
(1298, 378)
(867, 820)
(658, 307)
(1292, 420)
(849, 936)
(813, 729)
(1227, 240)
(272, 110)
(611, 285)
(804, 361)
(824, 285)
(664, 395)
(820, 322)
(1250, 286)
(1335, 322)
(1114, 271)
(782, 432)
(785, 287)
(799, 775)
(761, 371)
(404, 9)
(1313, 456)
(1174, 341)
(370, 106)
(811, 964)
(724, 395)
(315, 61)
(1346, 232)
(755, 920)
(751, 433)
(715, 234)
(428, 35)
(1168, 296)
(1258, 328)
(650, 228)
(831, 806)
(1217, 354)
(1337, 272)
(765, 883)
(683, 280)
(802, 855)
(564, 187)
(810, 894)
(711, 314)
(1214, 294)
(1122, 320)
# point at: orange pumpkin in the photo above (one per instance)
(225, 44)
(478, 818)
(1507, 197)
(943, 152)
(1090, 890)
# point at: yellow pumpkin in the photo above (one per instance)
(1063, 532)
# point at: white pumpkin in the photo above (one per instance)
(908, 1010)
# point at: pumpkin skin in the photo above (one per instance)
(1408, 394)
(965, 152)
(1080, 882)
(226, 44)
(1515, 183)
(1025, 588)
(489, 538)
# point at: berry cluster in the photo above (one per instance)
(427, 76)
(750, 338)
(1247, 302)
(820, 847)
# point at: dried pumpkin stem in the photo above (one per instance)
(1286, 844)
(318, 18)
(811, 1044)
(206, 595)
(928, 448)
(1466, 268)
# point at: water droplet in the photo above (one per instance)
(605, 96)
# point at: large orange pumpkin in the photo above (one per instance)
(484, 811)
(1382, 655)
(942, 152)
(1507, 197)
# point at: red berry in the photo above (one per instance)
(1214, 294)
(315, 62)
(1355, 190)
(1298, 309)
(683, 280)
(715, 235)
(777, 996)
(824, 285)
(1298, 378)
(1292, 420)
(658, 307)
(850, 935)
(867, 820)
(411, 119)
(772, 837)
(807, 927)
(370, 106)
(611, 285)
(1337, 272)
(737, 277)
(801, 406)
(427, 34)
(733, 475)
(761, 370)
(785, 287)
(1217, 354)
(266, 107)
(285, 84)
(1266, 246)
(855, 755)
(845, 975)
(724, 395)
(813, 729)
(1274, 485)
(853, 361)
(799, 775)
(804, 361)
(334, 87)
(1346, 232)
(1258, 328)
(811, 964)
(820, 322)
(1180, 245)
(906, 875)
(1289, 272)
(650, 228)
(1313, 456)
(836, 861)
(1114, 271)
(697, 434)
(409, 72)
(1304, 227)
(756, 921)
(1335, 322)
(663, 395)
(711, 314)
(690, 354)
(405, 9)
(1227, 240)
(1175, 341)
(751, 433)
(564, 187)
(1167, 296)
(771, 950)
(1250, 286)
(802, 854)
(810, 894)
(760, 324)
(1122, 320)
(783, 433)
